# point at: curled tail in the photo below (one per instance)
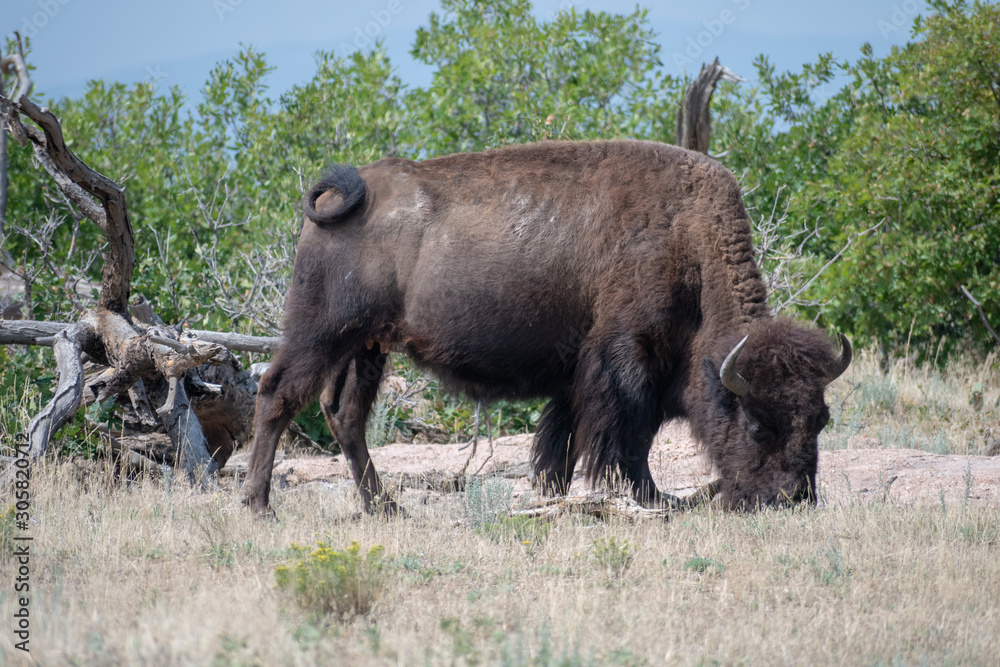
(347, 181)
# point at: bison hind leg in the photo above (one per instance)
(291, 382)
(554, 453)
(346, 401)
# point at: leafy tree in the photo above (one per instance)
(911, 143)
(504, 77)
(924, 156)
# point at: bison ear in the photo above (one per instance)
(715, 392)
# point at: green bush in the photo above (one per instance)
(343, 583)
(485, 502)
(612, 556)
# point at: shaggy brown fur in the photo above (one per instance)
(613, 277)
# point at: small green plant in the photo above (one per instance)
(382, 425)
(234, 650)
(878, 394)
(463, 641)
(342, 583)
(976, 397)
(483, 503)
(830, 567)
(967, 477)
(703, 565)
(222, 555)
(417, 568)
(612, 556)
(980, 527)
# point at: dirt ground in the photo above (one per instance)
(864, 471)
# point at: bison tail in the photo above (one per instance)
(346, 180)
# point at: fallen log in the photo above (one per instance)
(37, 332)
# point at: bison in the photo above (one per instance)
(615, 278)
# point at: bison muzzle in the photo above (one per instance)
(615, 278)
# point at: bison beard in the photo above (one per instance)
(616, 278)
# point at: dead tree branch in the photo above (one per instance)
(184, 428)
(850, 241)
(234, 341)
(34, 332)
(143, 354)
(78, 182)
(982, 315)
(67, 345)
(694, 123)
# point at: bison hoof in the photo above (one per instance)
(259, 507)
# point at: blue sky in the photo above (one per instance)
(178, 42)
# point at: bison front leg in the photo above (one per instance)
(554, 454)
(346, 402)
(617, 413)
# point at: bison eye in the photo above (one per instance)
(760, 433)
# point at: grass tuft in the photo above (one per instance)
(612, 557)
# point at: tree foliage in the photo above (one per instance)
(912, 140)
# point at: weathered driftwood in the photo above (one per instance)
(34, 332)
(148, 362)
(606, 504)
(185, 431)
(599, 504)
(234, 341)
(69, 388)
(130, 463)
(694, 123)
(30, 332)
(222, 396)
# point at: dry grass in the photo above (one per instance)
(903, 405)
(156, 575)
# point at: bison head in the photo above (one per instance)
(765, 410)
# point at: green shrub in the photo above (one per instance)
(702, 565)
(342, 583)
(612, 556)
(483, 503)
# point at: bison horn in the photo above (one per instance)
(732, 380)
(837, 368)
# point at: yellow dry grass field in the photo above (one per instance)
(155, 573)
(158, 575)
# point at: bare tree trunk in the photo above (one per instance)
(185, 430)
(694, 124)
(12, 64)
(3, 172)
